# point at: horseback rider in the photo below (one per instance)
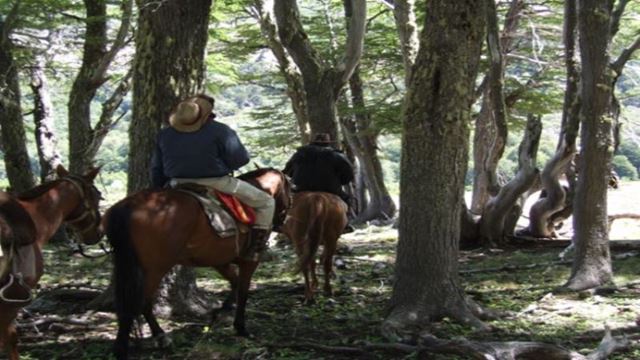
(195, 148)
(320, 167)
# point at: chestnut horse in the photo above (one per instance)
(315, 218)
(29, 220)
(153, 230)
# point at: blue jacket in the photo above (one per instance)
(213, 151)
(319, 168)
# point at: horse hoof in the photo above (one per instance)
(163, 341)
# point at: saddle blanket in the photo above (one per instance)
(222, 222)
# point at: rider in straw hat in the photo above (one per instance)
(197, 149)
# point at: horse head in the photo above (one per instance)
(84, 219)
(276, 184)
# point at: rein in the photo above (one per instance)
(78, 183)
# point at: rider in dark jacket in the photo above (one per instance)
(320, 167)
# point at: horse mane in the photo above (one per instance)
(37, 191)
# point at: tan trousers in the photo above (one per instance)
(259, 200)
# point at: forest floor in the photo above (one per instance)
(516, 281)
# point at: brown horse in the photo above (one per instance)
(153, 230)
(316, 218)
(29, 220)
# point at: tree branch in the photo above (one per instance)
(616, 16)
(119, 42)
(626, 54)
(355, 40)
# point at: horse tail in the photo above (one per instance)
(313, 234)
(128, 275)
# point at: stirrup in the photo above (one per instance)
(18, 280)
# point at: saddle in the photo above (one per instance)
(227, 215)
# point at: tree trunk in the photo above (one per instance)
(362, 138)
(492, 224)
(322, 82)
(592, 264)
(491, 130)
(435, 141)
(405, 17)
(91, 76)
(16, 157)
(169, 66)
(46, 140)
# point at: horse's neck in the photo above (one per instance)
(49, 210)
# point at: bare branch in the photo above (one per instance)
(355, 40)
(616, 16)
(626, 54)
(119, 42)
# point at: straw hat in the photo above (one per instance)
(190, 115)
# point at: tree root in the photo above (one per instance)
(508, 350)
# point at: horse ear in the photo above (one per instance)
(92, 173)
(61, 171)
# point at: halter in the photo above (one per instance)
(290, 196)
(78, 183)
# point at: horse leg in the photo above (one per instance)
(308, 286)
(152, 282)
(9, 338)
(314, 278)
(230, 273)
(247, 269)
(327, 261)
(163, 341)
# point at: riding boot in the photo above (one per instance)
(257, 243)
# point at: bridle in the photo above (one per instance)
(87, 212)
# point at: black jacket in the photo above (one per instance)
(213, 151)
(319, 168)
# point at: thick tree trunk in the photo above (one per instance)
(592, 264)
(16, 157)
(435, 141)
(46, 140)
(169, 66)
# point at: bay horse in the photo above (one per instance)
(315, 218)
(153, 230)
(29, 220)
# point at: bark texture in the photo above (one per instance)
(322, 81)
(493, 224)
(46, 139)
(592, 264)
(16, 157)
(435, 141)
(169, 66)
(491, 131)
(405, 17)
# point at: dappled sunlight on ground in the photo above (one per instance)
(364, 270)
